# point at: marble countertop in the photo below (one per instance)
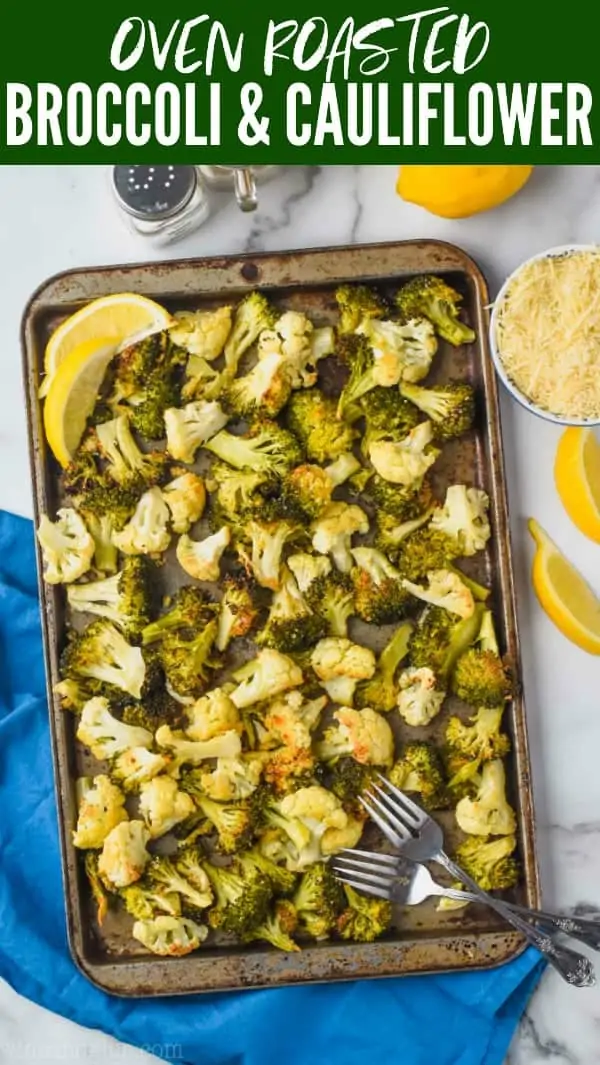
(60, 217)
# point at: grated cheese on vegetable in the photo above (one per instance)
(548, 333)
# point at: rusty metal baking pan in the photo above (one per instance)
(423, 940)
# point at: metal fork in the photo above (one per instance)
(416, 836)
(408, 884)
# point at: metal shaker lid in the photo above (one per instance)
(153, 193)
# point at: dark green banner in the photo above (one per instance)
(261, 82)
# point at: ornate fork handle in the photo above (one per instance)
(573, 967)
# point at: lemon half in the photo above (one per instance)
(72, 395)
(577, 477)
(563, 593)
(119, 317)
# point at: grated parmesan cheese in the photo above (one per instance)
(548, 333)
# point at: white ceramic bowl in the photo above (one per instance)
(500, 370)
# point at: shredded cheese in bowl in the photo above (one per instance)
(547, 333)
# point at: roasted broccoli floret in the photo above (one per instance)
(147, 532)
(159, 707)
(264, 391)
(105, 551)
(319, 899)
(307, 490)
(144, 902)
(266, 448)
(241, 898)
(433, 298)
(267, 675)
(171, 937)
(444, 589)
(405, 503)
(332, 596)
(333, 530)
(184, 876)
(124, 856)
(124, 599)
(387, 413)
(349, 779)
(234, 823)
(405, 462)
(202, 333)
(187, 662)
(487, 812)
(439, 640)
(262, 558)
(252, 316)
(282, 880)
(358, 304)
(162, 391)
(67, 546)
(392, 534)
(201, 559)
(101, 807)
(419, 769)
(101, 653)
(340, 665)
(312, 417)
(277, 927)
(97, 886)
(135, 369)
(468, 746)
(189, 609)
(450, 407)
(424, 551)
(237, 612)
(369, 369)
(381, 691)
(125, 463)
(490, 862)
(106, 508)
(365, 918)
(292, 625)
(189, 428)
(379, 595)
(481, 678)
(185, 497)
(105, 735)
(419, 698)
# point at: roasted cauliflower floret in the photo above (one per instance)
(212, 715)
(147, 533)
(232, 779)
(124, 856)
(340, 664)
(101, 808)
(201, 559)
(464, 518)
(202, 333)
(163, 805)
(67, 547)
(405, 462)
(488, 813)
(189, 428)
(419, 699)
(105, 735)
(267, 675)
(136, 766)
(446, 590)
(333, 530)
(362, 734)
(170, 937)
(311, 823)
(185, 497)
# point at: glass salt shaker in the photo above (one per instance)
(162, 203)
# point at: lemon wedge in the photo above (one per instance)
(563, 593)
(72, 395)
(119, 317)
(577, 477)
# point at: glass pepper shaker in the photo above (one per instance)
(162, 203)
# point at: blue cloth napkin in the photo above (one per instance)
(462, 1019)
